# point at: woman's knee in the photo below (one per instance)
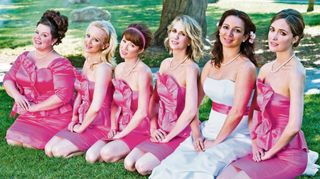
(92, 156)
(143, 167)
(13, 142)
(129, 163)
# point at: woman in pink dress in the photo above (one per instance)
(279, 149)
(133, 86)
(91, 111)
(41, 84)
(174, 101)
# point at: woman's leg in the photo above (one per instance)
(114, 151)
(131, 159)
(93, 153)
(147, 163)
(64, 148)
(52, 142)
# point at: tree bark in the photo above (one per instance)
(172, 8)
(310, 5)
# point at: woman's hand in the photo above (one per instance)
(267, 155)
(257, 153)
(78, 128)
(158, 135)
(198, 143)
(22, 102)
(119, 135)
(112, 133)
(71, 125)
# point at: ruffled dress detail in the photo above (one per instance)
(269, 122)
(37, 85)
(127, 104)
(100, 126)
(171, 98)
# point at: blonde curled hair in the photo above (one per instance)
(106, 55)
(194, 33)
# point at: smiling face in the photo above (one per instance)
(178, 39)
(128, 50)
(231, 32)
(280, 36)
(42, 38)
(95, 40)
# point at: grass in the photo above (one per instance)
(18, 21)
(17, 162)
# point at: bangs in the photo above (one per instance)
(134, 37)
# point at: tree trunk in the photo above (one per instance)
(172, 8)
(310, 5)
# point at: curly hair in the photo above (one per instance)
(110, 39)
(194, 33)
(246, 47)
(58, 24)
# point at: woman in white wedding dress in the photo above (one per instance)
(228, 80)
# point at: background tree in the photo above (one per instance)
(172, 8)
(310, 5)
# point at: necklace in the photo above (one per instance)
(233, 59)
(283, 64)
(41, 56)
(175, 67)
(133, 67)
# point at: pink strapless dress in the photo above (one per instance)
(269, 123)
(100, 126)
(127, 103)
(37, 128)
(171, 104)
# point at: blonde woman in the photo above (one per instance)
(228, 80)
(92, 106)
(174, 101)
(133, 85)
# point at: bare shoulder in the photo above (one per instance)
(118, 68)
(264, 70)
(247, 66)
(192, 66)
(297, 71)
(165, 63)
(143, 69)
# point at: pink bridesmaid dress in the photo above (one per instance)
(127, 103)
(171, 99)
(269, 122)
(100, 126)
(38, 84)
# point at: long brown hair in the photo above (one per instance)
(246, 48)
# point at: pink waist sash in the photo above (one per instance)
(224, 109)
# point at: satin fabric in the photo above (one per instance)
(171, 98)
(269, 121)
(37, 85)
(100, 125)
(127, 104)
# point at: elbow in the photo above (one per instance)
(191, 114)
(293, 130)
(236, 114)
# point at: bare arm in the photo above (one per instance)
(296, 89)
(103, 76)
(245, 81)
(144, 83)
(191, 103)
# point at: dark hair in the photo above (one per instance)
(58, 24)
(246, 48)
(294, 20)
(139, 34)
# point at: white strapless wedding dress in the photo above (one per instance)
(185, 162)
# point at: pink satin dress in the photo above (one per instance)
(100, 126)
(269, 122)
(171, 99)
(37, 85)
(127, 104)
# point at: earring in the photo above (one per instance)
(243, 40)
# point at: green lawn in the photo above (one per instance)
(18, 21)
(17, 162)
